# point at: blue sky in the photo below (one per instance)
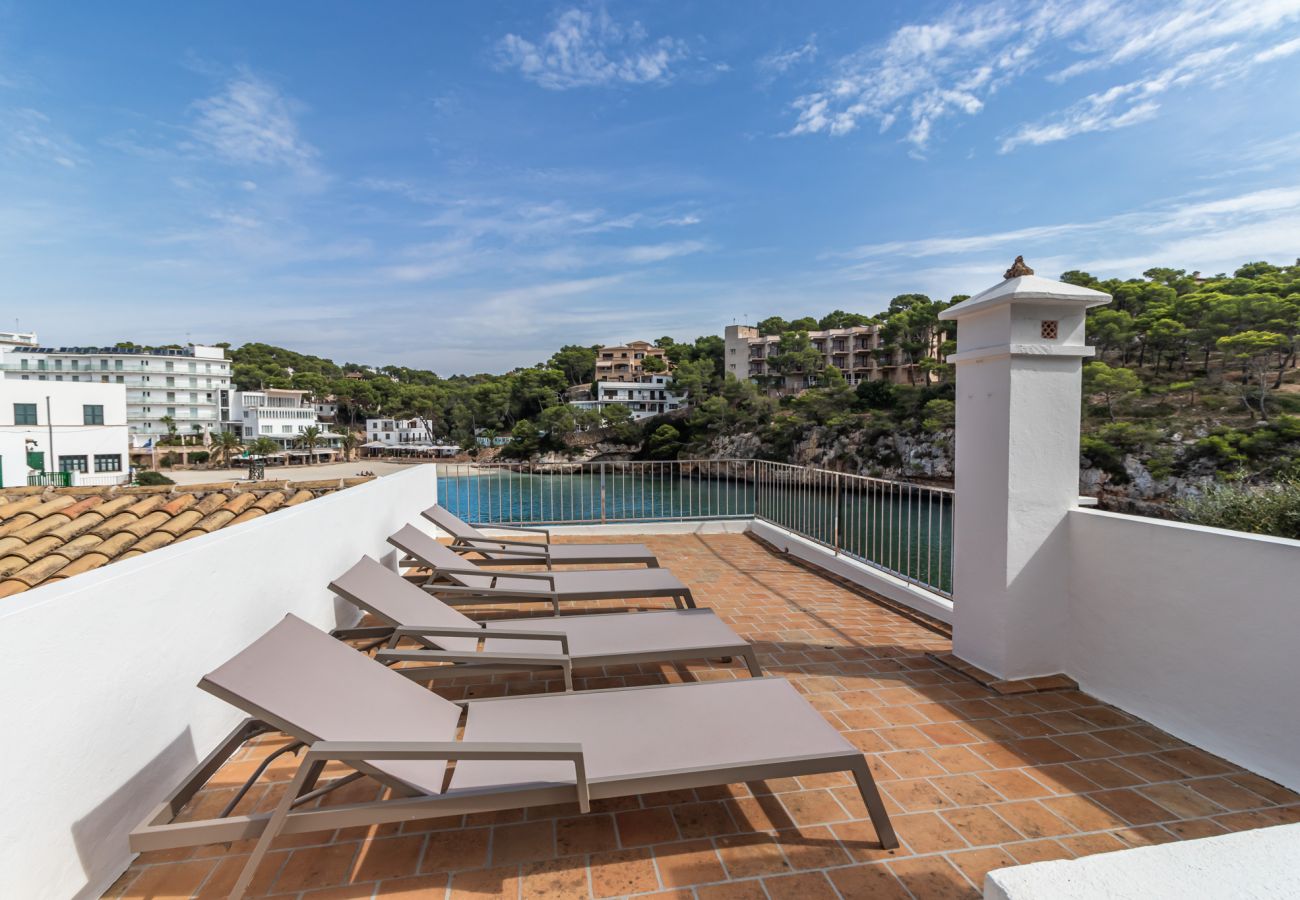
(468, 186)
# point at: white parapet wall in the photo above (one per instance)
(1194, 629)
(1248, 865)
(98, 673)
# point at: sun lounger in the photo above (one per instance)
(450, 641)
(460, 583)
(515, 552)
(516, 752)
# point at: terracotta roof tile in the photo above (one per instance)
(49, 534)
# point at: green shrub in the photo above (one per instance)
(1271, 509)
(938, 415)
(875, 394)
(168, 460)
(199, 457)
(152, 478)
(1104, 456)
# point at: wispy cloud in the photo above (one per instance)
(29, 134)
(587, 48)
(1210, 234)
(251, 122)
(778, 62)
(954, 63)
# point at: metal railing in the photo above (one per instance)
(49, 479)
(901, 528)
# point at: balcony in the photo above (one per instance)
(962, 639)
(974, 777)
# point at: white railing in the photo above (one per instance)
(901, 528)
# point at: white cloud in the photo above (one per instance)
(780, 61)
(954, 64)
(250, 122)
(587, 48)
(29, 134)
(1209, 234)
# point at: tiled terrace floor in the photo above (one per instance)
(974, 781)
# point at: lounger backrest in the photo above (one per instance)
(427, 550)
(311, 686)
(397, 602)
(451, 523)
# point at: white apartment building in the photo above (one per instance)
(857, 351)
(190, 385)
(406, 435)
(80, 429)
(279, 414)
(645, 398)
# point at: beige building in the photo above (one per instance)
(625, 362)
(855, 351)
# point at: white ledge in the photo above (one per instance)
(1001, 351)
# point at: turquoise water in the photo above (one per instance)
(901, 528)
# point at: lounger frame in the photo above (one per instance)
(159, 831)
(497, 552)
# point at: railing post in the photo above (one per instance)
(602, 493)
(835, 528)
(757, 494)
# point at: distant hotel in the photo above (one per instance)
(626, 362)
(858, 352)
(190, 385)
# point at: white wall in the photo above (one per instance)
(13, 459)
(98, 673)
(72, 437)
(1194, 629)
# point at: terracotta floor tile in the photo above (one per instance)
(687, 863)
(733, 890)
(553, 878)
(813, 807)
(525, 841)
(872, 880)
(747, 855)
(484, 883)
(417, 887)
(927, 833)
(448, 851)
(585, 834)
(973, 778)
(180, 879)
(698, 820)
(801, 886)
(623, 872)
(1037, 851)
(393, 857)
(980, 826)
(933, 878)
(646, 826)
(975, 864)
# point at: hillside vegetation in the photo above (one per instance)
(1191, 406)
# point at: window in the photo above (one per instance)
(266, 429)
(72, 463)
(25, 414)
(108, 462)
(117, 365)
(92, 414)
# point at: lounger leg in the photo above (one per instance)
(875, 806)
(689, 598)
(751, 660)
(308, 771)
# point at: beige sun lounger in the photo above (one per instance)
(451, 640)
(516, 752)
(512, 552)
(459, 582)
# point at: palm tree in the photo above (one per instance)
(198, 433)
(169, 423)
(226, 445)
(349, 443)
(264, 446)
(309, 439)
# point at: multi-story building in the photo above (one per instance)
(858, 352)
(189, 386)
(645, 398)
(281, 415)
(78, 429)
(626, 362)
(407, 437)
